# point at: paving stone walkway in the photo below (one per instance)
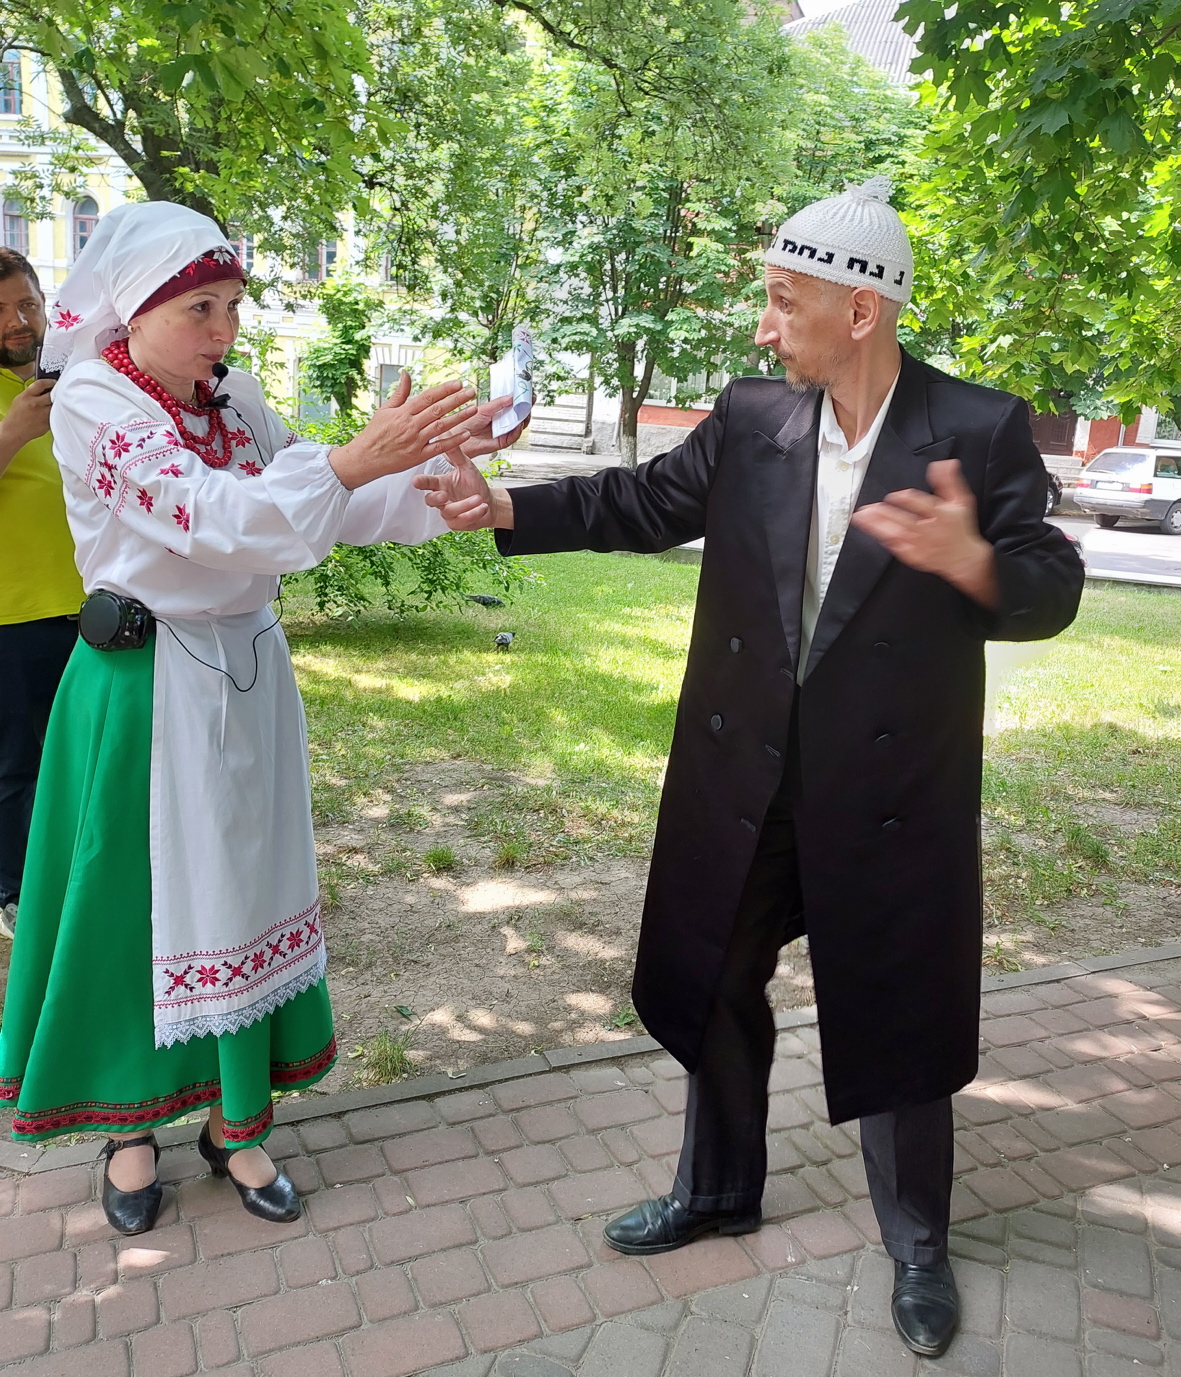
(460, 1235)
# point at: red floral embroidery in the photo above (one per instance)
(119, 445)
(294, 940)
(106, 464)
(251, 468)
(105, 484)
(208, 975)
(258, 961)
(239, 438)
(172, 471)
(181, 517)
(179, 979)
(66, 320)
(234, 972)
(146, 500)
(143, 439)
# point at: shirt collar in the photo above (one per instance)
(832, 436)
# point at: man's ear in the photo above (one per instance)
(867, 311)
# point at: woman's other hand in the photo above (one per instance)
(405, 431)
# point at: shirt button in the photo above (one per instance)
(844, 468)
(834, 540)
(716, 722)
(735, 644)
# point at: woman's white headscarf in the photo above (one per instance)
(134, 250)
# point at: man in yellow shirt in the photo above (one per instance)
(40, 591)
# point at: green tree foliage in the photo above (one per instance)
(662, 203)
(337, 366)
(1050, 217)
(252, 113)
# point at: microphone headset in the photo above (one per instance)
(221, 372)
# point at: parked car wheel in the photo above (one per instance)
(1106, 520)
(1170, 523)
(1053, 493)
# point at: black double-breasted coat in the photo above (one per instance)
(889, 715)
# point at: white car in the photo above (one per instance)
(1136, 481)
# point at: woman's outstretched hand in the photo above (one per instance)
(405, 431)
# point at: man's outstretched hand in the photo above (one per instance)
(937, 532)
(464, 497)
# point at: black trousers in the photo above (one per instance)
(723, 1165)
(33, 658)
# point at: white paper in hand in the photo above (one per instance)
(513, 376)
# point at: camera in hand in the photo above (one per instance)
(109, 621)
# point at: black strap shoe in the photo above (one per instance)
(131, 1212)
(925, 1306)
(277, 1203)
(659, 1226)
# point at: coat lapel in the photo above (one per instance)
(904, 449)
(787, 469)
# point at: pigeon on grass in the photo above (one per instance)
(502, 640)
(485, 599)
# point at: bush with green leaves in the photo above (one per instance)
(405, 578)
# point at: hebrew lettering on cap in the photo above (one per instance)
(879, 272)
(853, 262)
(898, 281)
(806, 249)
(789, 246)
(827, 257)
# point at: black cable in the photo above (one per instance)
(217, 669)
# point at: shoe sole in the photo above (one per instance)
(726, 1230)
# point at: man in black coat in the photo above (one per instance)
(825, 768)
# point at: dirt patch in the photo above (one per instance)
(447, 950)
(1139, 915)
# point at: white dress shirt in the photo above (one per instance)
(840, 471)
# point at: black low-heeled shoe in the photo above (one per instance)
(131, 1212)
(925, 1306)
(659, 1226)
(277, 1203)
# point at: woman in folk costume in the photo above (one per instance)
(170, 952)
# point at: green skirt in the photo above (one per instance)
(77, 1047)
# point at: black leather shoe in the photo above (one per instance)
(277, 1203)
(659, 1226)
(925, 1306)
(131, 1212)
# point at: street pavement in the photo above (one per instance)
(459, 1235)
(1134, 552)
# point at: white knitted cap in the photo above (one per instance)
(856, 239)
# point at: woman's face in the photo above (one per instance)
(182, 339)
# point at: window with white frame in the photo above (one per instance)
(85, 222)
(16, 227)
(10, 83)
(320, 261)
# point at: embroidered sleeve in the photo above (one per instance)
(286, 517)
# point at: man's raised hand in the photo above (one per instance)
(937, 532)
(463, 497)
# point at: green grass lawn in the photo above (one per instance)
(582, 703)
(582, 707)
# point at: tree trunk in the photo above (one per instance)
(629, 411)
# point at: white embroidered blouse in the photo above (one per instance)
(188, 540)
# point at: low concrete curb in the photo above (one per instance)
(26, 1159)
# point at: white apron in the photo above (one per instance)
(231, 842)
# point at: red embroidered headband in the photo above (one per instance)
(219, 265)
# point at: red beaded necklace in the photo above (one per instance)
(214, 448)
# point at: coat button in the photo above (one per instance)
(735, 644)
(746, 822)
(891, 824)
(787, 674)
(882, 647)
(771, 751)
(884, 739)
(716, 722)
